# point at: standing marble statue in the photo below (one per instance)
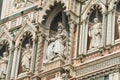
(26, 58)
(95, 32)
(118, 22)
(56, 45)
(3, 64)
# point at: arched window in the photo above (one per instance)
(26, 53)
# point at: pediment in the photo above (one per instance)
(5, 34)
(27, 26)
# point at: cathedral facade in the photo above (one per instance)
(59, 40)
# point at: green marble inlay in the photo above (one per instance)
(18, 14)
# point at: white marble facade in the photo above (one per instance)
(46, 36)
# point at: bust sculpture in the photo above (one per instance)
(95, 32)
(3, 64)
(56, 45)
(26, 58)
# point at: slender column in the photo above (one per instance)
(113, 27)
(39, 53)
(71, 39)
(14, 63)
(85, 39)
(77, 44)
(109, 29)
(34, 51)
(80, 40)
(104, 27)
(10, 61)
(82, 37)
(17, 62)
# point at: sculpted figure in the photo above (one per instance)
(95, 32)
(3, 64)
(118, 22)
(26, 58)
(56, 45)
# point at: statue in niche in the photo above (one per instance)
(95, 32)
(57, 43)
(118, 22)
(26, 58)
(3, 64)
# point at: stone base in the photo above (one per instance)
(24, 76)
(53, 64)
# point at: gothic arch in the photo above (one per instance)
(52, 11)
(113, 4)
(98, 5)
(23, 35)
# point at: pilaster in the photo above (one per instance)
(33, 60)
(39, 53)
(85, 39)
(14, 62)
(10, 62)
(104, 29)
(71, 39)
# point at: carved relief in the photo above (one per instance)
(22, 3)
(57, 44)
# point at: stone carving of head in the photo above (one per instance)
(60, 27)
(96, 20)
(5, 54)
(27, 46)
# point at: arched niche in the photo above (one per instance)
(4, 57)
(24, 51)
(60, 17)
(117, 21)
(96, 13)
(4, 47)
(57, 15)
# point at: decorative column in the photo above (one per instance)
(38, 57)
(10, 62)
(34, 51)
(17, 62)
(71, 40)
(104, 27)
(81, 38)
(14, 62)
(39, 53)
(109, 29)
(113, 26)
(85, 39)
